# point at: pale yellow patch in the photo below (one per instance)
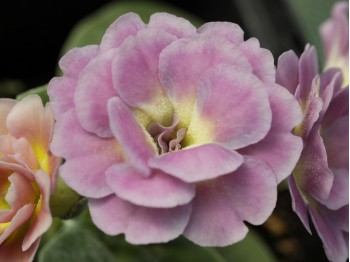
(141, 117)
(199, 131)
(3, 226)
(159, 109)
(184, 111)
(42, 157)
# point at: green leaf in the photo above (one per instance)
(79, 240)
(41, 91)
(75, 243)
(310, 14)
(91, 29)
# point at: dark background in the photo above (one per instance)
(32, 34)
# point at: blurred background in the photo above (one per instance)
(35, 34)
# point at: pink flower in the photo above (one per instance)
(171, 130)
(28, 176)
(335, 37)
(319, 185)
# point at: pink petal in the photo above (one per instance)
(236, 102)
(88, 157)
(125, 26)
(287, 73)
(281, 159)
(183, 62)
(286, 114)
(61, 89)
(5, 107)
(29, 119)
(139, 57)
(198, 163)
(131, 137)
(75, 60)
(94, 89)
(260, 59)
(22, 216)
(336, 141)
(308, 69)
(312, 172)
(24, 154)
(139, 224)
(43, 218)
(335, 31)
(338, 107)
(12, 251)
(158, 190)
(298, 203)
(214, 220)
(333, 239)
(251, 189)
(174, 25)
(61, 92)
(330, 81)
(230, 31)
(339, 195)
(19, 193)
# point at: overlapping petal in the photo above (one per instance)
(168, 147)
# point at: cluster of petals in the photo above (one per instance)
(319, 184)
(168, 129)
(27, 176)
(335, 38)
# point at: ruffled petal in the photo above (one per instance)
(31, 120)
(135, 72)
(94, 89)
(75, 60)
(260, 59)
(61, 89)
(138, 148)
(251, 190)
(214, 220)
(282, 155)
(174, 25)
(139, 224)
(84, 172)
(287, 73)
(235, 104)
(183, 62)
(125, 26)
(198, 163)
(284, 148)
(231, 32)
(158, 190)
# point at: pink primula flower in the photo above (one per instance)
(319, 184)
(27, 176)
(171, 130)
(335, 38)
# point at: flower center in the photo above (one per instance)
(167, 138)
